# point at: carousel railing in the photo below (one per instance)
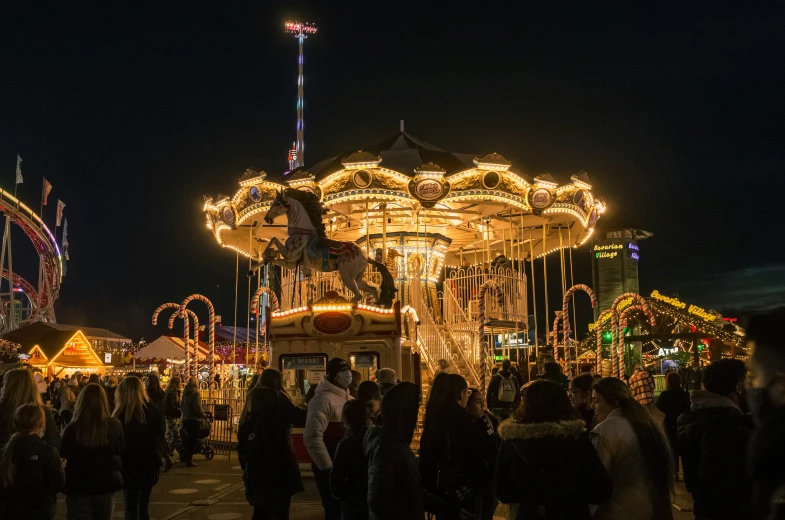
(462, 330)
(298, 289)
(464, 286)
(431, 338)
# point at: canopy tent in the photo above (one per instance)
(169, 348)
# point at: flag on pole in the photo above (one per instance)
(47, 189)
(64, 243)
(18, 169)
(60, 207)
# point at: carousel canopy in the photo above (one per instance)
(404, 188)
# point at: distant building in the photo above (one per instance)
(55, 348)
(614, 264)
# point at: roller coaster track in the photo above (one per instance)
(43, 297)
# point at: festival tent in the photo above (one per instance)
(169, 348)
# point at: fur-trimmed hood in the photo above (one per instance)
(542, 443)
(511, 430)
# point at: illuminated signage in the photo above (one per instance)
(667, 351)
(635, 256)
(608, 247)
(632, 246)
(691, 309)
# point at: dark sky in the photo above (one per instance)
(134, 114)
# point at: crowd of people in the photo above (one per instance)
(554, 447)
(88, 438)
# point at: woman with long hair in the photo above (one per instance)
(19, 387)
(173, 414)
(265, 442)
(673, 401)
(487, 427)
(30, 471)
(191, 406)
(143, 430)
(349, 474)
(633, 448)
(156, 396)
(546, 450)
(451, 462)
(92, 448)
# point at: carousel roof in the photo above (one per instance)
(467, 203)
(402, 152)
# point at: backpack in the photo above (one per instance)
(506, 390)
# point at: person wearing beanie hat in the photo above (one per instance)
(323, 429)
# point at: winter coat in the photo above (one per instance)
(713, 436)
(673, 403)
(172, 408)
(38, 478)
(495, 385)
(486, 431)
(277, 472)
(323, 430)
(191, 404)
(143, 449)
(395, 491)
(94, 470)
(537, 462)
(51, 433)
(67, 399)
(586, 412)
(452, 438)
(766, 460)
(620, 452)
(349, 477)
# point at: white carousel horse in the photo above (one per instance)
(307, 245)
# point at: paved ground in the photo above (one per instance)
(214, 491)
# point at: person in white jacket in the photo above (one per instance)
(323, 429)
(636, 454)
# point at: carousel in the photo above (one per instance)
(427, 254)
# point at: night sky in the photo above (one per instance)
(675, 112)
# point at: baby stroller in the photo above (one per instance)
(203, 442)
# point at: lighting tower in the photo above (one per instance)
(301, 30)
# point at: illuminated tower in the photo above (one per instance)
(614, 263)
(301, 31)
(293, 157)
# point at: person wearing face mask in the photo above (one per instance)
(766, 398)
(323, 430)
(713, 437)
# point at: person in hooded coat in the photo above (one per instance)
(545, 451)
(395, 491)
(349, 474)
(270, 470)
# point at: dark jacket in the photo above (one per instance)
(673, 403)
(38, 479)
(191, 404)
(766, 463)
(451, 437)
(493, 390)
(157, 397)
(395, 491)
(538, 462)
(349, 477)
(172, 408)
(97, 470)
(713, 437)
(587, 414)
(51, 434)
(276, 472)
(143, 449)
